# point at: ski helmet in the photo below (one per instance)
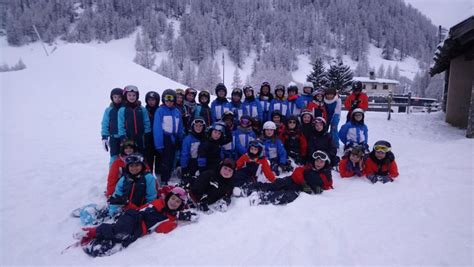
(227, 114)
(247, 88)
(318, 92)
(280, 87)
(131, 88)
(190, 91)
(206, 94)
(133, 159)
(308, 85)
(357, 150)
(128, 143)
(217, 126)
(179, 91)
(292, 87)
(269, 125)
(237, 91)
(181, 193)
(199, 120)
(266, 84)
(154, 95)
(115, 91)
(319, 154)
(355, 111)
(221, 87)
(168, 94)
(277, 113)
(382, 145)
(258, 144)
(357, 86)
(292, 118)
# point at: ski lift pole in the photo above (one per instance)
(389, 101)
(223, 67)
(41, 41)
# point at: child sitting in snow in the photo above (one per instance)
(158, 216)
(251, 163)
(381, 165)
(352, 163)
(312, 179)
(354, 132)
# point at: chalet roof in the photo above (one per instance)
(376, 80)
(460, 41)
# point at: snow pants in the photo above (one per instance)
(167, 158)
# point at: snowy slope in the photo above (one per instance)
(52, 162)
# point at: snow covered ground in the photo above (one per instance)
(52, 162)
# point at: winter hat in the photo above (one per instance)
(169, 94)
(116, 91)
(357, 150)
(356, 86)
(306, 112)
(269, 125)
(221, 87)
(318, 92)
(131, 88)
(152, 94)
(128, 143)
(206, 94)
(237, 91)
(228, 163)
(258, 144)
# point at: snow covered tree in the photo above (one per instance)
(236, 80)
(169, 37)
(389, 72)
(208, 75)
(339, 75)
(179, 52)
(19, 66)
(381, 71)
(169, 69)
(144, 55)
(362, 68)
(396, 72)
(189, 73)
(318, 74)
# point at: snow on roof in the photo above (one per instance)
(376, 80)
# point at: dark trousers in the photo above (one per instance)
(167, 158)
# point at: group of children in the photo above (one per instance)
(224, 149)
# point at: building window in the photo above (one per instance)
(385, 87)
(374, 86)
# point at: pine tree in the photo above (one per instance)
(381, 71)
(389, 73)
(318, 74)
(396, 73)
(339, 76)
(236, 80)
(362, 68)
(189, 73)
(169, 37)
(144, 55)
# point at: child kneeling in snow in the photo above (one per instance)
(352, 163)
(381, 165)
(312, 179)
(159, 216)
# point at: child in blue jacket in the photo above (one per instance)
(279, 102)
(295, 102)
(168, 132)
(220, 105)
(243, 135)
(265, 97)
(274, 149)
(307, 95)
(354, 132)
(189, 151)
(333, 108)
(236, 105)
(252, 106)
(109, 132)
(133, 120)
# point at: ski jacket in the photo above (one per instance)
(354, 101)
(238, 110)
(274, 150)
(323, 141)
(387, 166)
(242, 137)
(110, 122)
(209, 154)
(133, 121)
(168, 121)
(263, 166)
(348, 169)
(278, 104)
(294, 142)
(204, 111)
(156, 217)
(295, 105)
(313, 177)
(115, 172)
(306, 99)
(333, 109)
(354, 133)
(189, 149)
(212, 185)
(138, 189)
(253, 109)
(218, 108)
(265, 102)
(318, 109)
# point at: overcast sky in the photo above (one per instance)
(446, 13)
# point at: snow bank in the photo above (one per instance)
(52, 162)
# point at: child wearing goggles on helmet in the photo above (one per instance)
(352, 163)
(160, 216)
(243, 135)
(322, 140)
(251, 164)
(381, 165)
(312, 179)
(307, 95)
(189, 151)
(109, 132)
(133, 119)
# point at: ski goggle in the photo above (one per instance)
(245, 122)
(168, 98)
(199, 122)
(292, 122)
(181, 193)
(191, 91)
(382, 148)
(130, 88)
(219, 127)
(321, 155)
(134, 158)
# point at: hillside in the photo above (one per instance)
(52, 162)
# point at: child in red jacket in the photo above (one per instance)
(251, 164)
(381, 165)
(115, 172)
(294, 141)
(356, 99)
(158, 216)
(352, 163)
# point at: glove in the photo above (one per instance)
(220, 205)
(373, 178)
(117, 200)
(187, 216)
(286, 167)
(386, 179)
(105, 144)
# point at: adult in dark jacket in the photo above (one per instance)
(214, 187)
(322, 140)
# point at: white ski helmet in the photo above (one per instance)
(308, 84)
(269, 125)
